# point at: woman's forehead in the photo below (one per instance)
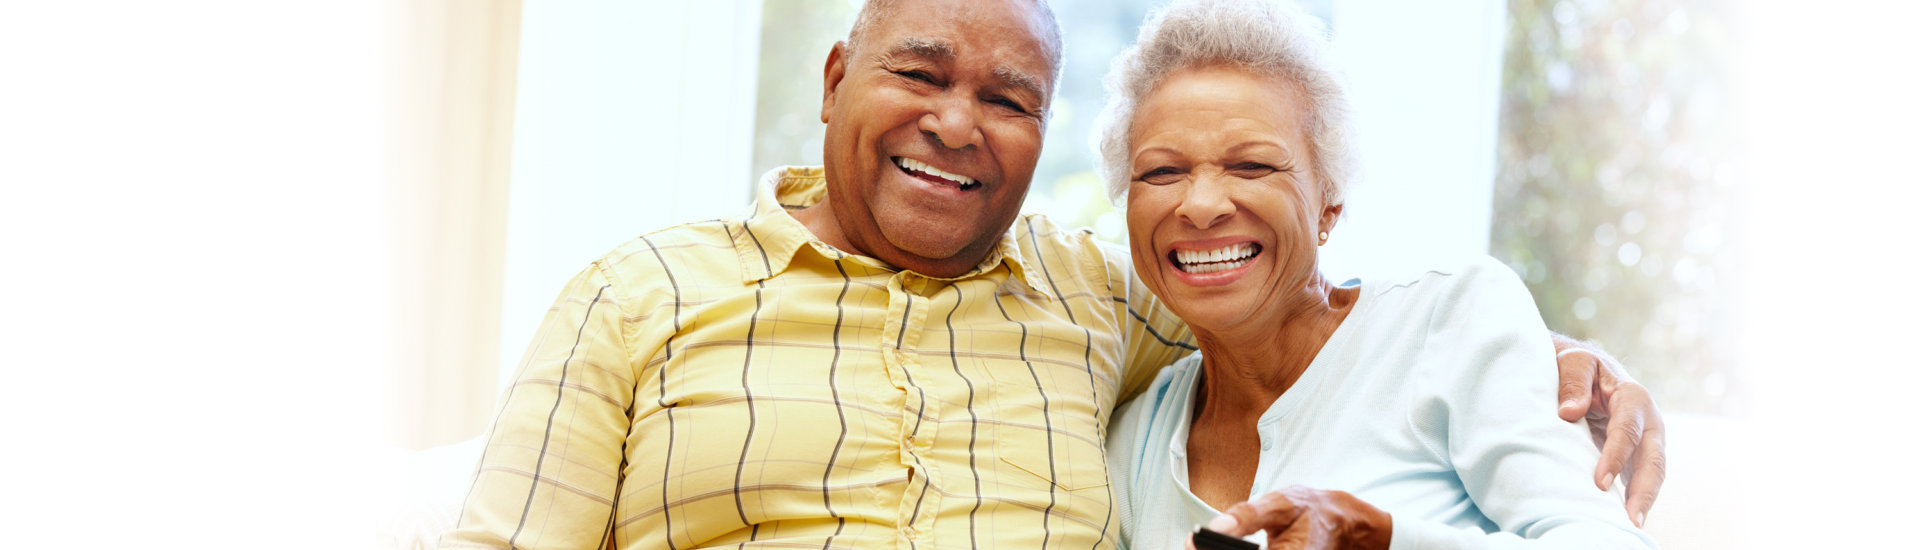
(1220, 103)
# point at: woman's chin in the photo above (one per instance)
(1210, 308)
(1212, 316)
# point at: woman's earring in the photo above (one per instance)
(1323, 238)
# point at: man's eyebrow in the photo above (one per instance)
(922, 48)
(1016, 78)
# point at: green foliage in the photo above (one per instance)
(1613, 197)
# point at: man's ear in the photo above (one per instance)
(836, 72)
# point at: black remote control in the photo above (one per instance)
(1208, 539)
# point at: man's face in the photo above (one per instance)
(933, 128)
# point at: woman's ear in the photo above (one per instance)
(836, 71)
(1330, 216)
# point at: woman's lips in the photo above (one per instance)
(1216, 264)
(1215, 259)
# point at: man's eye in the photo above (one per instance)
(916, 75)
(1010, 104)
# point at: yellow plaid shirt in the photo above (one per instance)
(736, 383)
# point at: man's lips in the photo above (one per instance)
(936, 176)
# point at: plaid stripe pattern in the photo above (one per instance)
(735, 383)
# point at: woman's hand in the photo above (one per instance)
(1303, 517)
(1625, 422)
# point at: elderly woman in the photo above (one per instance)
(1395, 412)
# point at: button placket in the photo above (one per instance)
(906, 312)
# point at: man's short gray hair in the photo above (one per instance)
(870, 14)
(874, 11)
(1270, 37)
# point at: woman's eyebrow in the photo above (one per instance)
(1242, 147)
(1155, 149)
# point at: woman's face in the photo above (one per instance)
(1223, 209)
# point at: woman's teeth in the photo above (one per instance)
(1213, 261)
(914, 166)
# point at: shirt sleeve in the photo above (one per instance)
(1489, 409)
(549, 473)
(1154, 336)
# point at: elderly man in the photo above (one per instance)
(883, 354)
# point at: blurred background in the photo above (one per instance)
(270, 265)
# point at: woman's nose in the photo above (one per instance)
(953, 122)
(1206, 203)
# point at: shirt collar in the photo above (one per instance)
(770, 238)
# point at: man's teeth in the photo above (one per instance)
(1216, 260)
(921, 167)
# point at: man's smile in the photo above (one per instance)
(936, 176)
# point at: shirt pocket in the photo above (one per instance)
(1049, 431)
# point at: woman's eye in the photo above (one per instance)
(1160, 176)
(1253, 170)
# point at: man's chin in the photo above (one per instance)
(934, 256)
(927, 251)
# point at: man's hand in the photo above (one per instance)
(1625, 422)
(1300, 517)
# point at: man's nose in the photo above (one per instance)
(954, 122)
(1206, 203)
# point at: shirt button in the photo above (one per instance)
(1266, 443)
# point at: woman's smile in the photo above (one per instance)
(1212, 262)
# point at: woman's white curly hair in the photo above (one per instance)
(1270, 37)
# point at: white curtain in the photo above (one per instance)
(451, 82)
